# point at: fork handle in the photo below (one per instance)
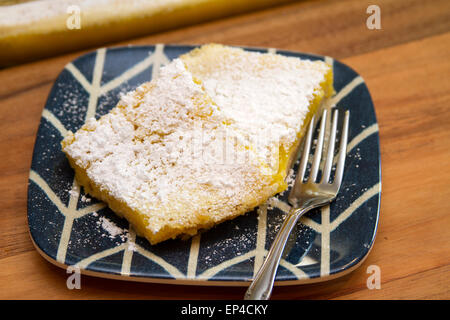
(261, 287)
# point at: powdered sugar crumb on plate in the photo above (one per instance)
(111, 228)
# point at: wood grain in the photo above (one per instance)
(406, 67)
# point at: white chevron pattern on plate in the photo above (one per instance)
(71, 213)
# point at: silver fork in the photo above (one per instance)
(304, 196)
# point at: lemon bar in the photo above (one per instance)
(195, 147)
(35, 29)
(149, 159)
(270, 97)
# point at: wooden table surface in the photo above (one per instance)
(406, 66)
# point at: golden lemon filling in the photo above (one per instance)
(211, 138)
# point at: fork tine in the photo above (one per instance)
(330, 154)
(306, 148)
(303, 197)
(342, 152)
(318, 152)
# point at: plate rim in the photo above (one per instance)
(199, 281)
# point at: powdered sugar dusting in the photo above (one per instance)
(174, 144)
(38, 11)
(160, 150)
(260, 91)
(111, 228)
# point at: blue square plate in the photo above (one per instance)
(67, 229)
